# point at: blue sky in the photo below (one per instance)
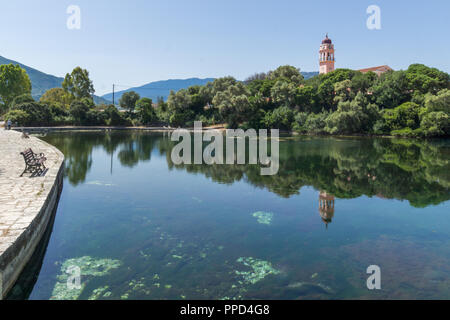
(137, 41)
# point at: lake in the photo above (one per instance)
(139, 227)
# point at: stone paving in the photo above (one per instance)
(21, 198)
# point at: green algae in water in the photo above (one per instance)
(89, 267)
(260, 270)
(136, 287)
(100, 292)
(264, 217)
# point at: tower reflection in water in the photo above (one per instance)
(326, 207)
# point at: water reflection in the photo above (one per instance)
(326, 207)
(225, 231)
(417, 171)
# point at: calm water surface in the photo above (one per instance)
(139, 227)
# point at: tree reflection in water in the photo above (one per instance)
(417, 171)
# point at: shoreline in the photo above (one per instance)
(191, 129)
(27, 205)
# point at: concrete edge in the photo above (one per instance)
(14, 259)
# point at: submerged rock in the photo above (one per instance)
(263, 217)
(99, 183)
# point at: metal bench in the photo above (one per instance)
(34, 163)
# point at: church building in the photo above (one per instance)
(326, 56)
(327, 60)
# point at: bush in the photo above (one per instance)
(439, 102)
(404, 116)
(380, 127)
(316, 122)
(408, 132)
(38, 113)
(23, 98)
(179, 118)
(78, 111)
(18, 117)
(145, 112)
(114, 117)
(435, 124)
(280, 118)
(299, 123)
(58, 110)
(95, 118)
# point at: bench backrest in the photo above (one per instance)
(28, 155)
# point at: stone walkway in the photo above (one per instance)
(21, 198)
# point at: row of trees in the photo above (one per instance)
(415, 102)
(71, 104)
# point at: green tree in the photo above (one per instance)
(23, 98)
(427, 80)
(325, 90)
(114, 117)
(284, 93)
(57, 95)
(306, 99)
(78, 84)
(146, 112)
(436, 124)
(391, 89)
(38, 113)
(404, 116)
(233, 104)
(362, 82)
(128, 100)
(179, 107)
(78, 111)
(342, 91)
(315, 123)
(439, 102)
(281, 118)
(14, 81)
(288, 73)
(19, 117)
(356, 116)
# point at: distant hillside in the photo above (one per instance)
(153, 90)
(42, 82)
(308, 75)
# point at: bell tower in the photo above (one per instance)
(326, 56)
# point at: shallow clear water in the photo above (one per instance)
(140, 227)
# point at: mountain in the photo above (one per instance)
(41, 82)
(153, 90)
(308, 75)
